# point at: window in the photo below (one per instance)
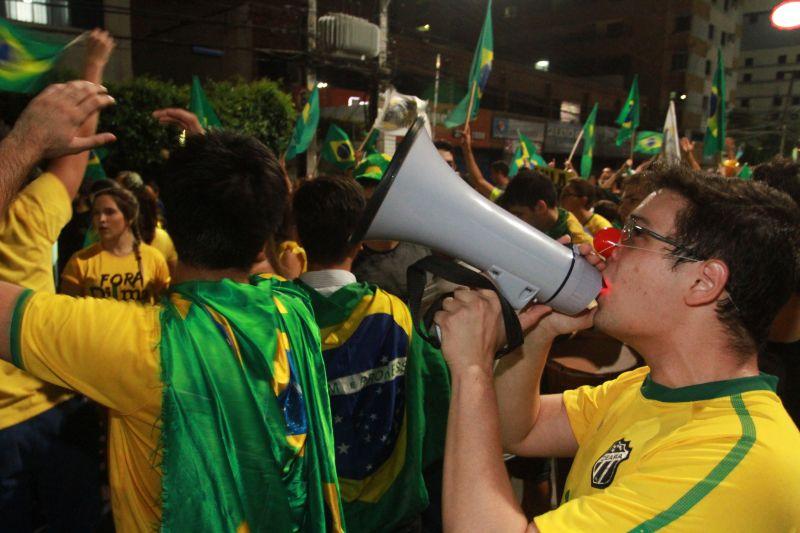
(797, 59)
(776, 101)
(748, 61)
(752, 18)
(679, 61)
(708, 67)
(744, 102)
(779, 75)
(782, 59)
(51, 12)
(711, 31)
(747, 78)
(683, 23)
(795, 100)
(727, 5)
(705, 102)
(722, 36)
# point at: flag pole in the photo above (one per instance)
(468, 118)
(364, 142)
(633, 142)
(575, 146)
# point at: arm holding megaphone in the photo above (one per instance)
(489, 414)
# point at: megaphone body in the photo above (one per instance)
(422, 200)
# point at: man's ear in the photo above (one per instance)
(711, 278)
(540, 207)
(262, 256)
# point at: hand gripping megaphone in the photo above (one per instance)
(422, 200)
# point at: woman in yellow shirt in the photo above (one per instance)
(120, 266)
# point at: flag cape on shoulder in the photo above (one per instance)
(389, 395)
(247, 443)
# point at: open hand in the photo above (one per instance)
(185, 120)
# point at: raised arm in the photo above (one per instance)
(476, 179)
(48, 128)
(70, 169)
(687, 147)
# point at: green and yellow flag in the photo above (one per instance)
(478, 75)
(588, 144)
(246, 431)
(714, 142)
(526, 156)
(306, 127)
(200, 106)
(338, 149)
(628, 119)
(371, 144)
(649, 142)
(94, 168)
(25, 57)
(746, 173)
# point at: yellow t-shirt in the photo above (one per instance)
(163, 243)
(596, 223)
(101, 274)
(576, 231)
(28, 230)
(721, 456)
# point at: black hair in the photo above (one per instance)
(582, 188)
(781, 173)
(500, 166)
(327, 211)
(608, 210)
(527, 188)
(444, 146)
(224, 194)
(751, 227)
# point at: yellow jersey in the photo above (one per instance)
(722, 456)
(28, 230)
(576, 232)
(596, 223)
(101, 274)
(163, 243)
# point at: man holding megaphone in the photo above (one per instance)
(677, 443)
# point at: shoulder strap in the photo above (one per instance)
(460, 275)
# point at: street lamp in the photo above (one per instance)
(786, 15)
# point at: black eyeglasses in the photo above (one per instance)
(632, 228)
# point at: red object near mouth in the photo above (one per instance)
(605, 240)
(606, 287)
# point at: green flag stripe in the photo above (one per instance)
(714, 478)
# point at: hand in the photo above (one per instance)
(568, 166)
(542, 323)
(687, 145)
(466, 137)
(628, 163)
(472, 329)
(99, 45)
(185, 120)
(50, 122)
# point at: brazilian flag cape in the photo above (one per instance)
(246, 433)
(389, 394)
(561, 228)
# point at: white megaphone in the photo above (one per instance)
(422, 200)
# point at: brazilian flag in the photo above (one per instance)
(478, 75)
(746, 173)
(25, 57)
(389, 393)
(649, 142)
(526, 156)
(338, 149)
(246, 432)
(588, 144)
(200, 106)
(371, 144)
(628, 119)
(306, 127)
(714, 142)
(94, 168)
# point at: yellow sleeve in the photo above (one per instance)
(102, 348)
(715, 483)
(576, 231)
(585, 403)
(496, 193)
(44, 204)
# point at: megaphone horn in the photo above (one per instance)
(422, 200)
